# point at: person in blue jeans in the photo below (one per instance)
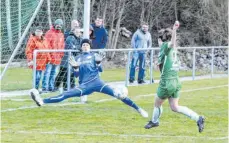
(87, 66)
(55, 39)
(141, 39)
(72, 43)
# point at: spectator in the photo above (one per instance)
(100, 34)
(55, 39)
(141, 39)
(74, 25)
(72, 43)
(37, 42)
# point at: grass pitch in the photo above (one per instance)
(109, 120)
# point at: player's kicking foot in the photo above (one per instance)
(200, 124)
(143, 113)
(151, 125)
(36, 97)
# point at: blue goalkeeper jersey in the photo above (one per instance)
(88, 69)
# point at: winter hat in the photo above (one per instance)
(58, 22)
(38, 28)
(86, 41)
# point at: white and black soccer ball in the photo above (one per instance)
(120, 92)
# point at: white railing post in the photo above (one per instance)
(127, 69)
(212, 63)
(151, 67)
(34, 67)
(193, 63)
(69, 73)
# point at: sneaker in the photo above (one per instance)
(200, 124)
(141, 82)
(151, 125)
(36, 97)
(131, 81)
(143, 113)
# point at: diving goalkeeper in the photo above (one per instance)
(87, 66)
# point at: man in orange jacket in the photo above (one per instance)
(37, 42)
(55, 39)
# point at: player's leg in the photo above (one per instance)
(52, 77)
(46, 76)
(38, 77)
(157, 111)
(106, 89)
(141, 73)
(76, 92)
(133, 66)
(159, 99)
(186, 111)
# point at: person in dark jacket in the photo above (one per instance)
(100, 34)
(72, 43)
(74, 25)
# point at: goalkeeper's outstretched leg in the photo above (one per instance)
(121, 93)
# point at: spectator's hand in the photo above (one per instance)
(73, 63)
(30, 63)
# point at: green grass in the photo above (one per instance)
(21, 78)
(112, 121)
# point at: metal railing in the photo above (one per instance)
(129, 58)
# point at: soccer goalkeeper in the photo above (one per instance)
(169, 85)
(87, 66)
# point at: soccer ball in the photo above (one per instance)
(121, 91)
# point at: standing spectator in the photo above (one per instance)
(141, 39)
(100, 34)
(72, 43)
(37, 42)
(74, 25)
(55, 39)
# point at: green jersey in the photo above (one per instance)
(170, 63)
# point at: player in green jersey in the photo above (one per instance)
(169, 86)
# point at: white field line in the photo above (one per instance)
(111, 99)
(16, 99)
(118, 135)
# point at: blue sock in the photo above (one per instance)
(129, 102)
